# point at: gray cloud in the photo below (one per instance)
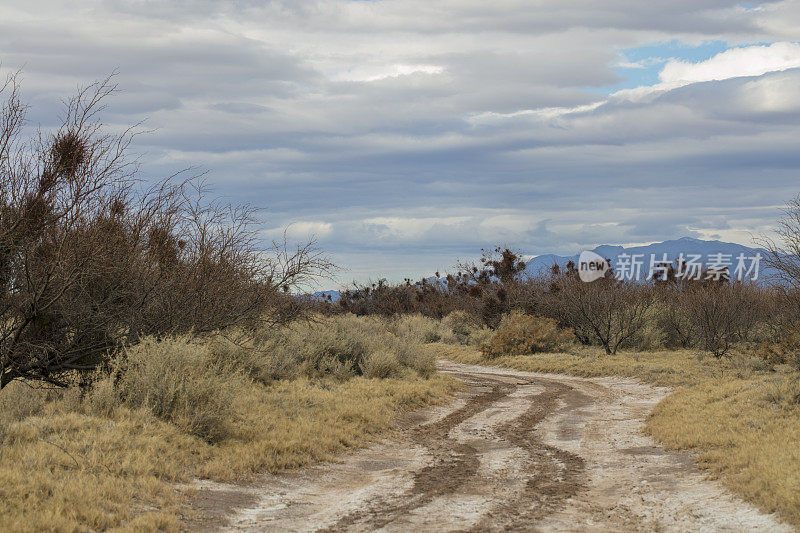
(409, 134)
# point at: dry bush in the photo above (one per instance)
(604, 312)
(649, 337)
(721, 313)
(18, 402)
(90, 262)
(434, 299)
(416, 328)
(481, 290)
(462, 326)
(176, 380)
(480, 336)
(672, 317)
(382, 364)
(785, 351)
(414, 356)
(342, 346)
(337, 346)
(520, 334)
(264, 356)
(783, 393)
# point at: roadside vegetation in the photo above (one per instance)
(177, 409)
(147, 340)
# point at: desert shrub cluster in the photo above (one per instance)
(193, 382)
(340, 346)
(520, 334)
(711, 315)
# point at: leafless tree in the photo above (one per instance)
(783, 253)
(606, 311)
(715, 311)
(89, 260)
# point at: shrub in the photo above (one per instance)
(461, 325)
(337, 346)
(90, 263)
(720, 314)
(414, 356)
(785, 351)
(382, 364)
(18, 402)
(264, 358)
(424, 364)
(784, 393)
(416, 328)
(606, 312)
(672, 318)
(176, 380)
(520, 334)
(480, 336)
(342, 346)
(650, 336)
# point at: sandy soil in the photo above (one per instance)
(516, 451)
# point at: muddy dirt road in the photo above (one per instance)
(516, 451)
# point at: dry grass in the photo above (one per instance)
(745, 430)
(172, 412)
(521, 334)
(663, 368)
(740, 414)
(65, 469)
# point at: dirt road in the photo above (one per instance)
(516, 451)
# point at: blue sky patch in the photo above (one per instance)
(650, 59)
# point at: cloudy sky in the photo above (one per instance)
(407, 134)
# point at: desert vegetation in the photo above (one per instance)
(92, 260)
(221, 406)
(147, 338)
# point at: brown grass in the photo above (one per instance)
(173, 412)
(745, 430)
(65, 469)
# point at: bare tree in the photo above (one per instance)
(606, 311)
(783, 254)
(720, 313)
(89, 260)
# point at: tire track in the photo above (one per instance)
(454, 463)
(554, 474)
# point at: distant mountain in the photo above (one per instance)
(672, 250)
(623, 258)
(331, 295)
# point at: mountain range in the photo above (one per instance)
(671, 250)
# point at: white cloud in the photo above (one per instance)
(380, 72)
(734, 63)
(746, 61)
